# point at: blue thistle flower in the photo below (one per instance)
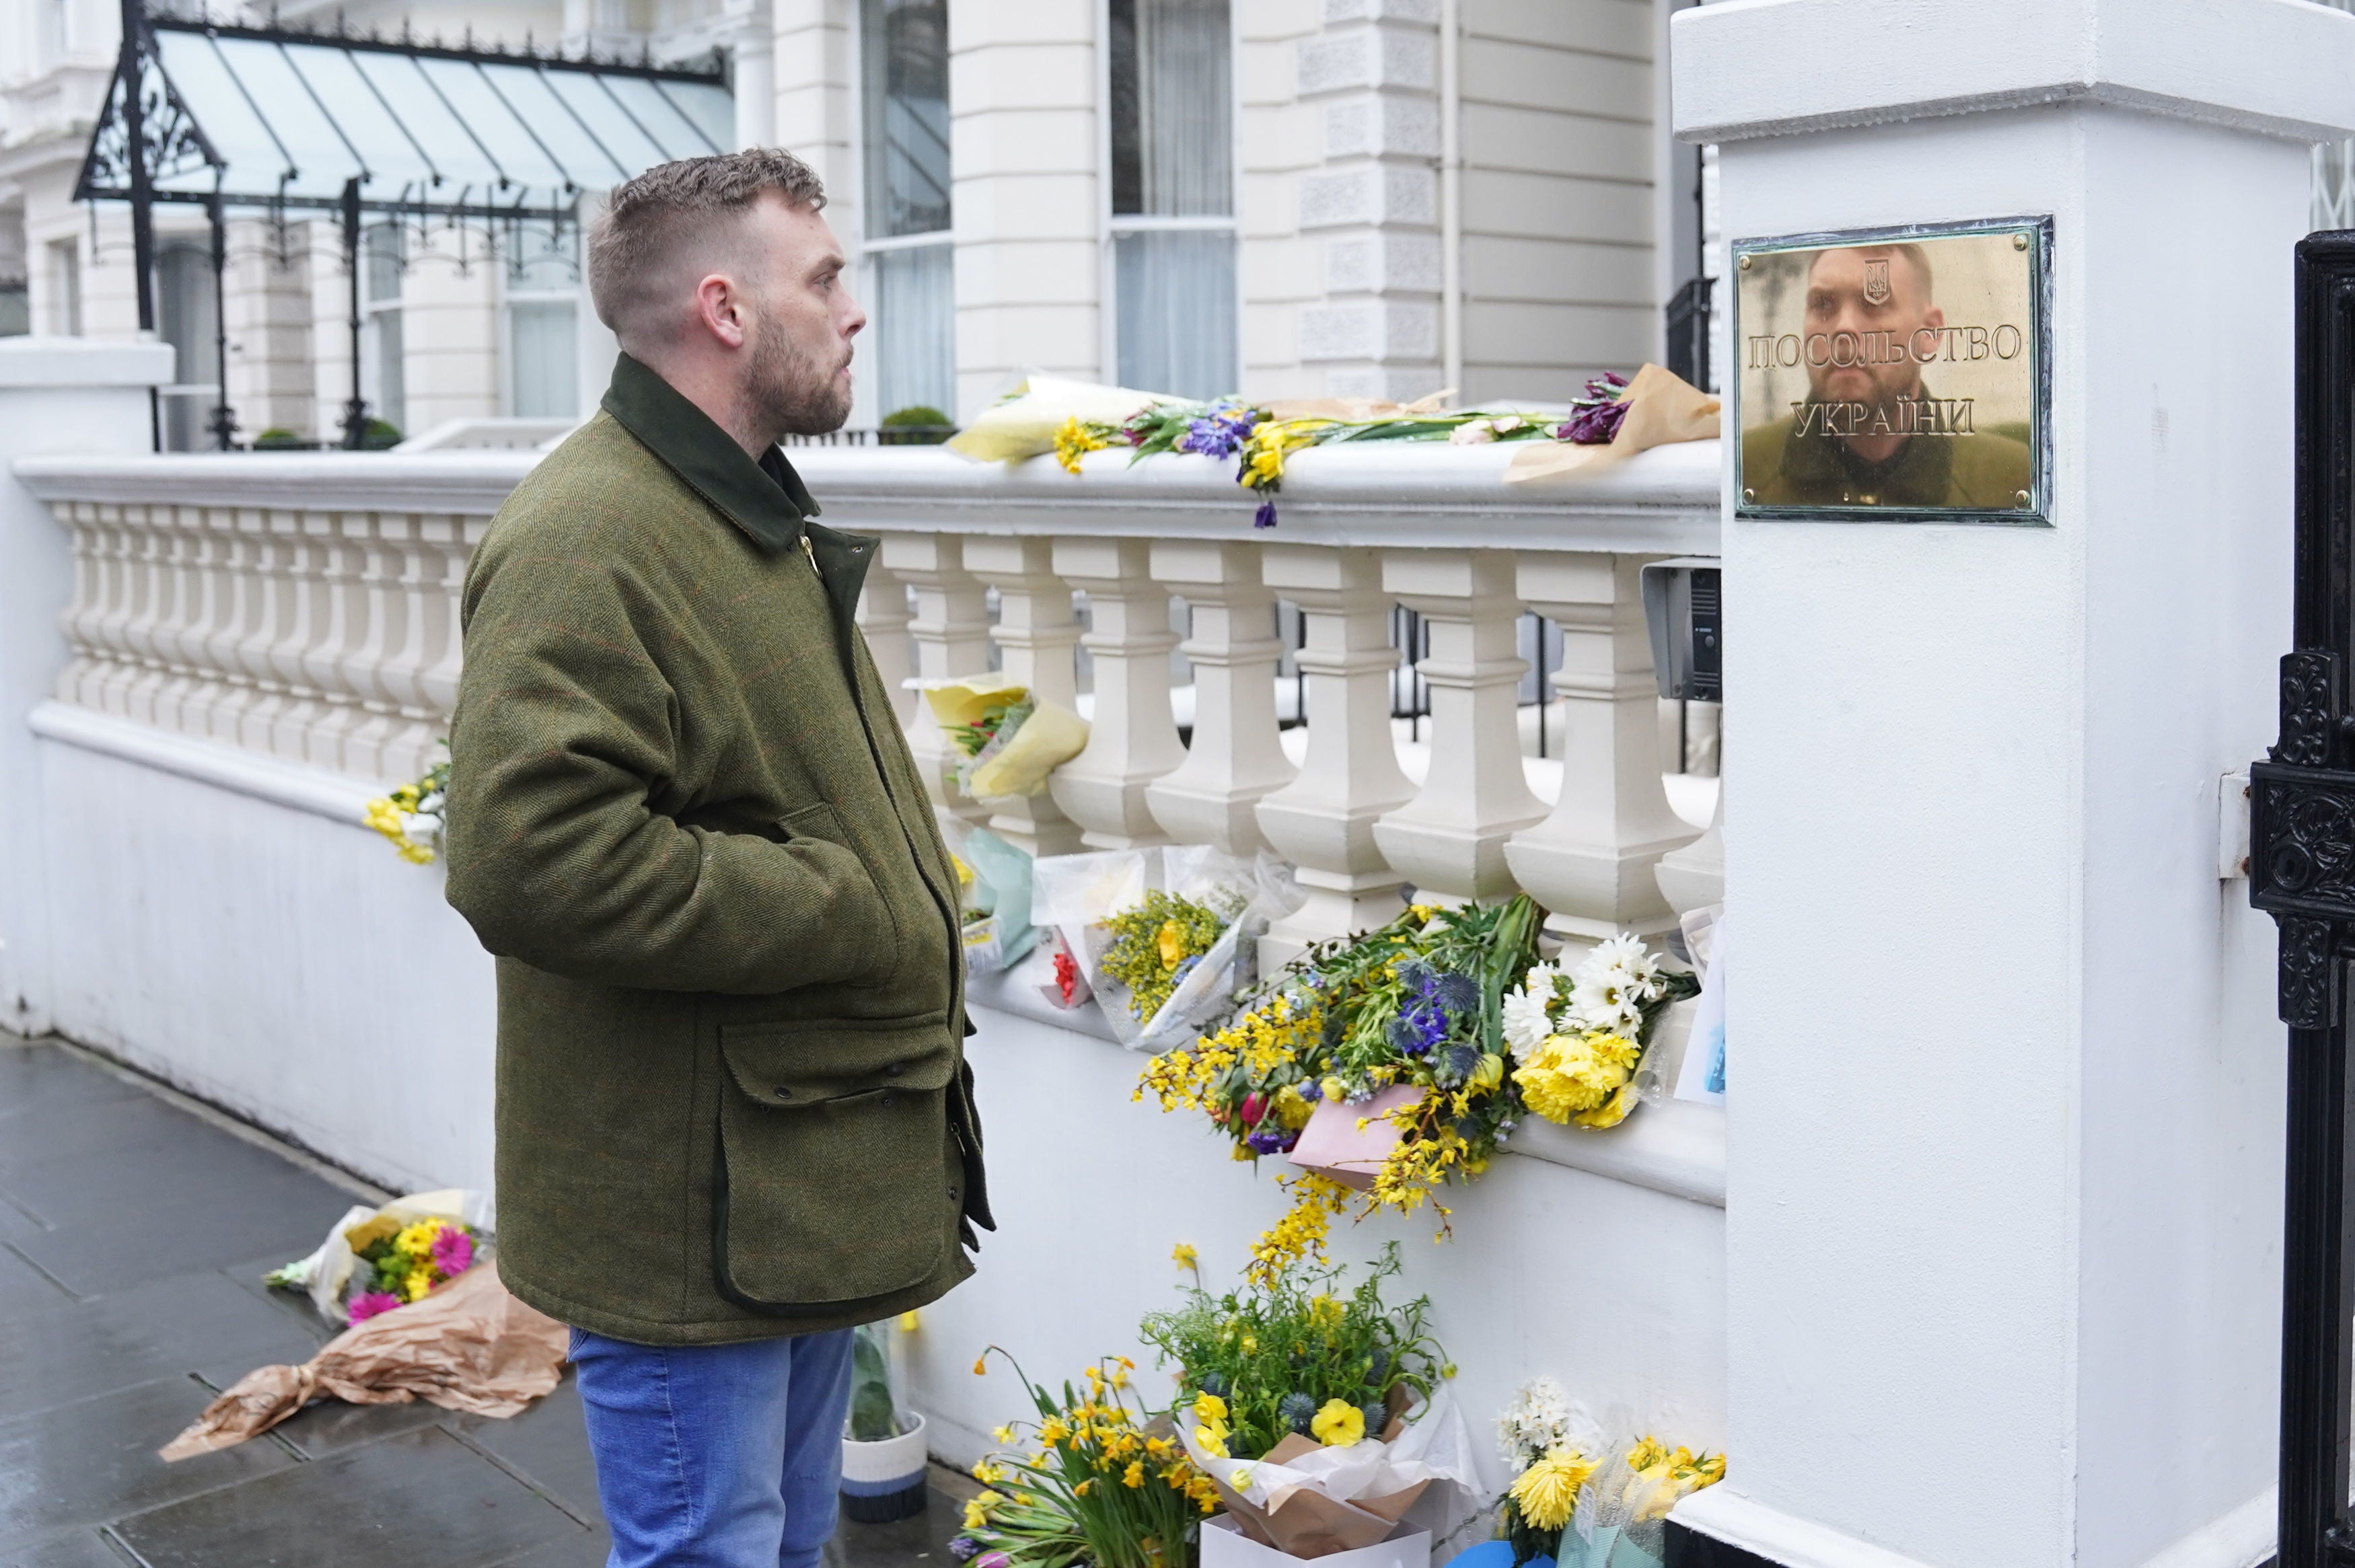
(1296, 1410)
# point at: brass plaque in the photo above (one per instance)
(1894, 374)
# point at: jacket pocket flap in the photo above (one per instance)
(791, 1065)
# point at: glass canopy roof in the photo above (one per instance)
(285, 120)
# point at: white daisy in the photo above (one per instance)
(1527, 1013)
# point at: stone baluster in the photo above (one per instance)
(449, 543)
(1324, 820)
(152, 582)
(275, 552)
(1235, 759)
(951, 630)
(422, 605)
(1449, 841)
(1132, 736)
(119, 556)
(199, 685)
(369, 666)
(178, 698)
(79, 620)
(884, 619)
(1036, 634)
(1590, 862)
(307, 629)
(344, 584)
(241, 589)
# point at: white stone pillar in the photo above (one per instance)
(2003, 1174)
(753, 52)
(1449, 841)
(56, 395)
(884, 619)
(1590, 862)
(1234, 757)
(1036, 635)
(951, 634)
(1324, 820)
(1131, 737)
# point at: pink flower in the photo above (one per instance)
(368, 1303)
(454, 1252)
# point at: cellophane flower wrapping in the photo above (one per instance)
(450, 1227)
(1621, 1520)
(993, 881)
(1205, 910)
(1581, 1032)
(1010, 737)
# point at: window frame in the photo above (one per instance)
(372, 312)
(870, 392)
(1111, 226)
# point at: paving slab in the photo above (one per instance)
(414, 1499)
(88, 1463)
(58, 1352)
(547, 1445)
(39, 1080)
(82, 1549)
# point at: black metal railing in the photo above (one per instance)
(1689, 331)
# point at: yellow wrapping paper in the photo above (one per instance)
(1025, 425)
(1049, 738)
(1663, 408)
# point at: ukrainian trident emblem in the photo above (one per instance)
(1876, 280)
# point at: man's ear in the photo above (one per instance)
(719, 309)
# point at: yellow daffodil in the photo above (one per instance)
(907, 1323)
(976, 1510)
(1053, 1431)
(981, 1365)
(1084, 1488)
(1337, 1424)
(1134, 1477)
(1209, 1407)
(1184, 1255)
(987, 1474)
(1547, 1493)
(1003, 1434)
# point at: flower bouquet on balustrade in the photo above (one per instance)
(411, 814)
(1582, 1499)
(1161, 936)
(1319, 1410)
(1095, 1478)
(1009, 737)
(377, 1259)
(1583, 1036)
(1375, 1062)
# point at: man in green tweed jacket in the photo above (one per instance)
(734, 1118)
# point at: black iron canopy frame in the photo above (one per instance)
(150, 146)
(2302, 872)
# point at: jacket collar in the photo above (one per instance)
(766, 499)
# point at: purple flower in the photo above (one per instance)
(1219, 430)
(1265, 516)
(368, 1303)
(1600, 414)
(1270, 1139)
(964, 1548)
(992, 1560)
(454, 1252)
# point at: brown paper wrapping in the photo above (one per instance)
(1310, 1524)
(467, 1346)
(1663, 408)
(1356, 410)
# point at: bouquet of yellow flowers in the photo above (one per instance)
(376, 1259)
(1094, 1476)
(409, 815)
(1581, 1036)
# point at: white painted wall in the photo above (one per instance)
(2005, 1173)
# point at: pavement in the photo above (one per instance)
(135, 1229)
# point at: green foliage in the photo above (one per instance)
(915, 414)
(380, 435)
(1278, 1351)
(278, 438)
(873, 1417)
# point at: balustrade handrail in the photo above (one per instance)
(1663, 500)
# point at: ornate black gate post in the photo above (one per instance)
(2302, 872)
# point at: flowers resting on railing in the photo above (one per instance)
(406, 811)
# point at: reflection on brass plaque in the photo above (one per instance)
(1894, 374)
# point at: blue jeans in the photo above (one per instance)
(716, 1455)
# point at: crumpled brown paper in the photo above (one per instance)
(1663, 408)
(1310, 1524)
(468, 1346)
(1358, 410)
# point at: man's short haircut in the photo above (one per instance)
(669, 216)
(1915, 257)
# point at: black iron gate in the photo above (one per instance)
(2302, 872)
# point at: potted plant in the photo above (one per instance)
(884, 1456)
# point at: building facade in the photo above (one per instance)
(1282, 198)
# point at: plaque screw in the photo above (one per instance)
(2019, 243)
(1745, 262)
(1749, 494)
(2019, 499)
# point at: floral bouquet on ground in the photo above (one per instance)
(1375, 1062)
(1096, 1478)
(1583, 1036)
(1315, 1408)
(993, 881)
(1162, 937)
(380, 1258)
(1550, 1445)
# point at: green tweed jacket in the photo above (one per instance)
(732, 1098)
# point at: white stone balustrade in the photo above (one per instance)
(305, 607)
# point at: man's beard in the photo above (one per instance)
(793, 393)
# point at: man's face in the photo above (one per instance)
(803, 319)
(1841, 290)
